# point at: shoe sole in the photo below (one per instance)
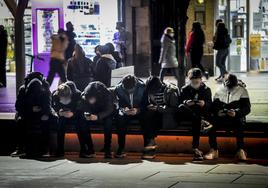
(150, 148)
(148, 157)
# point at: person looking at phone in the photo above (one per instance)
(130, 94)
(230, 107)
(163, 99)
(196, 98)
(64, 101)
(96, 107)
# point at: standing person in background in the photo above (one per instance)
(194, 47)
(57, 58)
(115, 54)
(3, 56)
(80, 69)
(71, 35)
(222, 41)
(168, 59)
(104, 67)
(97, 56)
(122, 41)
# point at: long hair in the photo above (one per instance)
(221, 30)
(198, 32)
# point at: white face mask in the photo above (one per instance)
(92, 100)
(195, 86)
(65, 100)
(171, 34)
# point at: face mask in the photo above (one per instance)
(171, 34)
(195, 86)
(92, 100)
(65, 100)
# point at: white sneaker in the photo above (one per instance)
(241, 155)
(212, 154)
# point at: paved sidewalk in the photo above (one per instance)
(163, 172)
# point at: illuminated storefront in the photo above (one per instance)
(94, 23)
(247, 21)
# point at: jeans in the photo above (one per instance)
(229, 124)
(56, 66)
(221, 59)
(186, 113)
(174, 71)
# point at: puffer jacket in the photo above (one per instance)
(168, 57)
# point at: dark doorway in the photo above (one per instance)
(163, 14)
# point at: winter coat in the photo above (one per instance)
(80, 71)
(104, 106)
(103, 70)
(168, 57)
(236, 98)
(75, 99)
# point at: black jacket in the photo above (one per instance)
(203, 93)
(81, 72)
(103, 70)
(73, 105)
(236, 98)
(104, 106)
(222, 42)
(139, 96)
(34, 93)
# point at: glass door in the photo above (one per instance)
(238, 31)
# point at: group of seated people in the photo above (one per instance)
(129, 99)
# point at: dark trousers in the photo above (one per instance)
(221, 60)
(230, 124)
(196, 58)
(63, 123)
(186, 113)
(34, 134)
(121, 128)
(84, 134)
(174, 72)
(151, 126)
(56, 66)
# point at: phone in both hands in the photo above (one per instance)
(87, 114)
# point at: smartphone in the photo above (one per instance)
(87, 114)
(225, 110)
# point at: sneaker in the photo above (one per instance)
(46, 155)
(120, 154)
(151, 145)
(148, 154)
(212, 154)
(241, 155)
(85, 155)
(198, 155)
(18, 153)
(205, 126)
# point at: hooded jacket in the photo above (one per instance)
(103, 107)
(104, 67)
(236, 98)
(75, 99)
(139, 97)
(34, 92)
